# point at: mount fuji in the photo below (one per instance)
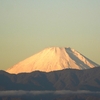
(53, 59)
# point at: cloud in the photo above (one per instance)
(60, 92)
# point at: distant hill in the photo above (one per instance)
(67, 79)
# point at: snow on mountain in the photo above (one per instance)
(52, 59)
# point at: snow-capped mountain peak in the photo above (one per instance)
(52, 59)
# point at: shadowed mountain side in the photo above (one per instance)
(68, 79)
(75, 56)
(77, 60)
(32, 81)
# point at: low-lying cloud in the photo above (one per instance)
(60, 92)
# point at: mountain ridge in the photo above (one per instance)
(66, 79)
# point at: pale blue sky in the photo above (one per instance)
(29, 26)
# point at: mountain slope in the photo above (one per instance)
(51, 59)
(67, 79)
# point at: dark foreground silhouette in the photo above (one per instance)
(68, 79)
(68, 84)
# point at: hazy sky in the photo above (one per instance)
(29, 26)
